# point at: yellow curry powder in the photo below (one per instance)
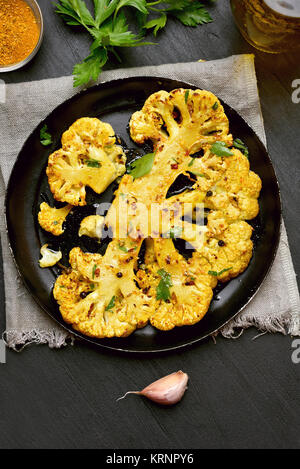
(19, 31)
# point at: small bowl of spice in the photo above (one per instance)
(21, 33)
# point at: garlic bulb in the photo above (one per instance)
(165, 391)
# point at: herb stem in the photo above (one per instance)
(153, 3)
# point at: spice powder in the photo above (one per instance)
(19, 31)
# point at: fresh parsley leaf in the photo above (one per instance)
(163, 288)
(45, 136)
(157, 23)
(141, 166)
(140, 5)
(92, 286)
(93, 163)
(215, 106)
(90, 68)
(192, 15)
(191, 162)
(217, 274)
(238, 143)
(186, 96)
(111, 304)
(75, 12)
(220, 149)
(103, 10)
(114, 32)
(200, 175)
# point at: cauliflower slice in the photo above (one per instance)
(91, 226)
(100, 297)
(234, 190)
(51, 219)
(49, 257)
(197, 118)
(190, 291)
(89, 157)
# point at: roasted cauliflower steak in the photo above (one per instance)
(112, 295)
(89, 157)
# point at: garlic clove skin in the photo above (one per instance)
(165, 391)
(168, 390)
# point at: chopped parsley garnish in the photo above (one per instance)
(215, 106)
(163, 288)
(238, 143)
(191, 162)
(217, 274)
(93, 163)
(174, 232)
(141, 166)
(123, 248)
(186, 96)
(111, 304)
(200, 175)
(55, 222)
(220, 149)
(94, 270)
(45, 136)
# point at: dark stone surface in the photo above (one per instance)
(242, 393)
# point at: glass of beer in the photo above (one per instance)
(269, 25)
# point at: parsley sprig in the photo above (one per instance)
(109, 27)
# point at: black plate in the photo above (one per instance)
(114, 102)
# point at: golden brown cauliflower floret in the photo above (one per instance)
(91, 226)
(237, 190)
(49, 257)
(228, 184)
(89, 157)
(51, 219)
(229, 252)
(99, 298)
(195, 117)
(190, 287)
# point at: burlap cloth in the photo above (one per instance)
(276, 307)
